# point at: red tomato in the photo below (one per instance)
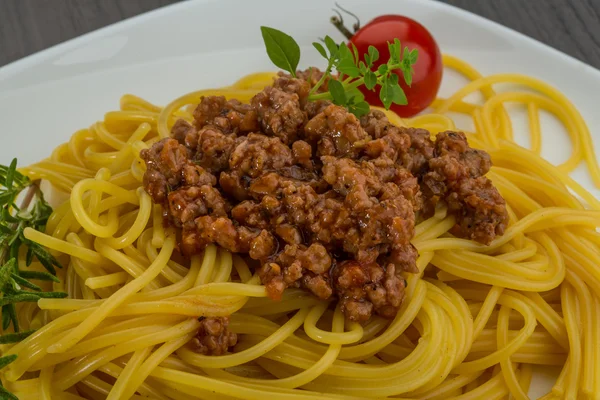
(428, 68)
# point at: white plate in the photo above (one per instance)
(208, 43)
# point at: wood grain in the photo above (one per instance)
(28, 26)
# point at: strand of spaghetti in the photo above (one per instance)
(131, 368)
(106, 137)
(241, 268)
(103, 174)
(63, 246)
(99, 386)
(148, 366)
(448, 301)
(74, 144)
(507, 367)
(223, 271)
(145, 389)
(111, 338)
(208, 264)
(596, 339)
(512, 346)
(125, 154)
(158, 294)
(436, 230)
(534, 127)
(107, 280)
(82, 216)
(492, 389)
(139, 224)
(310, 327)
(243, 391)
(461, 310)
(571, 315)
(117, 299)
(46, 383)
(36, 173)
(126, 263)
(73, 372)
(250, 289)
(158, 230)
(587, 333)
(552, 192)
(443, 391)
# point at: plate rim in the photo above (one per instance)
(38, 57)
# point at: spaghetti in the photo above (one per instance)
(475, 321)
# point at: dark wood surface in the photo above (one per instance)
(28, 26)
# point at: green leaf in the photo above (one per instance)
(320, 49)
(408, 73)
(337, 92)
(414, 55)
(385, 94)
(10, 174)
(355, 53)
(51, 295)
(4, 361)
(383, 68)
(346, 63)
(15, 337)
(355, 95)
(30, 297)
(370, 80)
(359, 109)
(12, 312)
(395, 51)
(368, 61)
(5, 317)
(5, 272)
(44, 257)
(332, 47)
(398, 95)
(348, 69)
(25, 282)
(38, 275)
(362, 67)
(373, 55)
(282, 49)
(6, 395)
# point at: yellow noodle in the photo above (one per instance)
(474, 320)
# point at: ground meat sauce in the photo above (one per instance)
(321, 199)
(213, 337)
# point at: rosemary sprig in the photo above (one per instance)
(353, 72)
(15, 284)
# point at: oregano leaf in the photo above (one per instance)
(320, 49)
(282, 49)
(337, 92)
(373, 54)
(370, 80)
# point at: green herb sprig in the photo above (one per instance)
(352, 71)
(33, 212)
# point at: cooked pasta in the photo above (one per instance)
(476, 319)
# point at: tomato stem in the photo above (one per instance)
(339, 24)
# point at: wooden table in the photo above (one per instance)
(27, 26)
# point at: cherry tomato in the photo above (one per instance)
(428, 68)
